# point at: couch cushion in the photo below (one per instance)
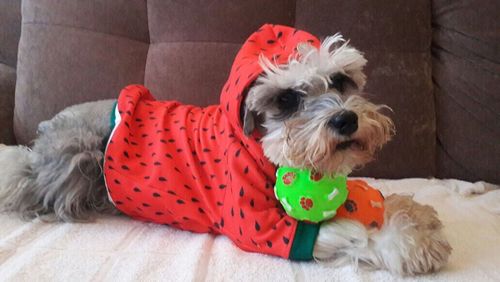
(75, 51)
(10, 30)
(466, 72)
(395, 37)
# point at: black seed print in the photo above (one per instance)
(110, 167)
(208, 187)
(203, 162)
(288, 223)
(237, 154)
(144, 135)
(200, 210)
(257, 226)
(241, 232)
(134, 143)
(279, 34)
(150, 144)
(158, 213)
(117, 181)
(127, 125)
(222, 186)
(242, 192)
(216, 225)
(350, 206)
(286, 240)
(162, 179)
(125, 140)
(138, 155)
(163, 141)
(194, 200)
(124, 167)
(153, 154)
(143, 164)
(179, 150)
(138, 120)
(232, 212)
(156, 195)
(110, 158)
(222, 222)
(119, 203)
(219, 204)
(310, 41)
(128, 198)
(185, 218)
(125, 153)
(374, 224)
(176, 169)
(168, 156)
(253, 242)
(157, 163)
(242, 215)
(252, 203)
(274, 227)
(270, 42)
(269, 244)
(227, 107)
(181, 202)
(146, 205)
(245, 170)
(137, 190)
(147, 177)
(187, 186)
(139, 209)
(171, 192)
(217, 161)
(206, 150)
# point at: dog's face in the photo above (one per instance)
(311, 112)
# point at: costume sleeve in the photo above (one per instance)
(256, 221)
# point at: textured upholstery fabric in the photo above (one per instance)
(75, 51)
(466, 73)
(10, 29)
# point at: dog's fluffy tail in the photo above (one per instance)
(17, 182)
(410, 242)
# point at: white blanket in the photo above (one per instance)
(120, 249)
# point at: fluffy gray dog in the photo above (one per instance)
(309, 112)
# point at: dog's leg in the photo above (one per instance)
(410, 242)
(62, 173)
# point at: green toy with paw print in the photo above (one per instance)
(310, 196)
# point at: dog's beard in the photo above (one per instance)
(302, 137)
(306, 141)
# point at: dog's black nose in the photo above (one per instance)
(344, 122)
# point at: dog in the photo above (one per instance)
(289, 101)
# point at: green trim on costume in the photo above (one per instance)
(113, 116)
(303, 243)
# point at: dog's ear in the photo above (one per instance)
(248, 118)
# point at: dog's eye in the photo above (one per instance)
(289, 100)
(339, 82)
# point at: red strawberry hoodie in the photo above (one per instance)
(193, 168)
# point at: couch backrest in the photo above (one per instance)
(10, 29)
(76, 51)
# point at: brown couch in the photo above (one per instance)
(435, 63)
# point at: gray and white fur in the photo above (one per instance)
(311, 114)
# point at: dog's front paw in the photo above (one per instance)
(411, 240)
